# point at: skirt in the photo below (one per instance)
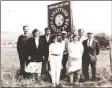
(73, 65)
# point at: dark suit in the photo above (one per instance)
(89, 57)
(35, 51)
(22, 51)
(46, 52)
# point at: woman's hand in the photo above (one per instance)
(65, 52)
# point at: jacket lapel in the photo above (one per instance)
(49, 38)
(86, 42)
(34, 42)
(45, 38)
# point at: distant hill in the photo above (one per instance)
(10, 32)
(7, 36)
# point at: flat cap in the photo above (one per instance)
(63, 32)
(89, 33)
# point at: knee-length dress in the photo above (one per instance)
(75, 51)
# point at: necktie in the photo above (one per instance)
(89, 43)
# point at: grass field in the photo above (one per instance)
(10, 70)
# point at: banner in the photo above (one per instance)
(59, 17)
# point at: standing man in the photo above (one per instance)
(65, 42)
(22, 49)
(47, 40)
(91, 49)
(81, 35)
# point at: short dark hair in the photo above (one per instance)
(74, 35)
(34, 31)
(48, 28)
(25, 26)
(81, 29)
(59, 38)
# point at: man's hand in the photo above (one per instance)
(43, 57)
(29, 58)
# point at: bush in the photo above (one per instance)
(103, 40)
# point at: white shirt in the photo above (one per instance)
(89, 42)
(37, 42)
(56, 48)
(47, 38)
(82, 38)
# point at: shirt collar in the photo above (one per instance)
(36, 37)
(47, 35)
(91, 39)
(24, 35)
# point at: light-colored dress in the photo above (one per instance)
(75, 51)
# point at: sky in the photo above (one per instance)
(93, 16)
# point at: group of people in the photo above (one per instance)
(56, 55)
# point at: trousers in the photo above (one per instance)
(56, 65)
(85, 69)
(64, 61)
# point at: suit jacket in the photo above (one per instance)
(34, 51)
(91, 52)
(46, 45)
(21, 45)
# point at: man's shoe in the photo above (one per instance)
(86, 80)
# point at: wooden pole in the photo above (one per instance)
(72, 20)
(71, 16)
(111, 57)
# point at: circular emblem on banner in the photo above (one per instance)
(59, 19)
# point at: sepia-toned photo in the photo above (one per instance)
(56, 44)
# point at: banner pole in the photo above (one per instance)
(71, 17)
(111, 58)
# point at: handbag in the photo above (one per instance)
(34, 67)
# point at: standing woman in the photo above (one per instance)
(34, 51)
(56, 50)
(74, 64)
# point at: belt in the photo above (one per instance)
(56, 54)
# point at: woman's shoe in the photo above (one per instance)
(54, 85)
(59, 85)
